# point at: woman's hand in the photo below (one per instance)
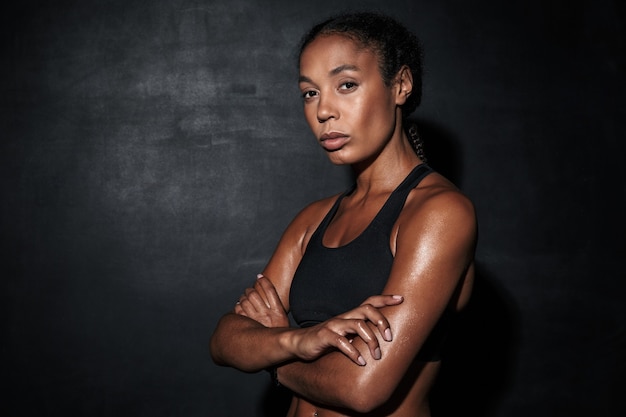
(337, 333)
(262, 303)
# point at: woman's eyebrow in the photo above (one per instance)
(342, 68)
(332, 72)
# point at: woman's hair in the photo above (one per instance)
(393, 44)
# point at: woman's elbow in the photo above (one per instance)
(224, 352)
(369, 394)
(223, 357)
(219, 344)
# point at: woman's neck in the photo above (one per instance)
(387, 169)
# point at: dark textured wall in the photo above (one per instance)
(152, 152)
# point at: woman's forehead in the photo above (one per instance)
(333, 51)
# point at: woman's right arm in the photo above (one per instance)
(265, 339)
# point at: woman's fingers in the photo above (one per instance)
(369, 311)
(361, 329)
(254, 297)
(264, 286)
(313, 342)
(380, 301)
(262, 303)
(381, 322)
(377, 318)
(239, 309)
(344, 345)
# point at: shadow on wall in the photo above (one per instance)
(480, 353)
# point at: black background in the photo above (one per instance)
(152, 152)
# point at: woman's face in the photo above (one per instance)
(346, 103)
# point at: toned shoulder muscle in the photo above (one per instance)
(436, 232)
(283, 263)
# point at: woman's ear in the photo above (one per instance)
(404, 82)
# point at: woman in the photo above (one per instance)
(371, 276)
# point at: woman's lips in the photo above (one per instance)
(333, 141)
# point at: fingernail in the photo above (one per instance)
(258, 276)
(388, 336)
(377, 353)
(398, 297)
(361, 361)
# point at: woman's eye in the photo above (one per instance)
(309, 94)
(348, 85)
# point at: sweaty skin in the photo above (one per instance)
(362, 361)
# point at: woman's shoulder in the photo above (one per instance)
(438, 197)
(437, 215)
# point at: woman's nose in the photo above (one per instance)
(325, 109)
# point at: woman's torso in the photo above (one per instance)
(412, 400)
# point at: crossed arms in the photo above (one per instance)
(357, 359)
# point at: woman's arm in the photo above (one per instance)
(434, 250)
(252, 344)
